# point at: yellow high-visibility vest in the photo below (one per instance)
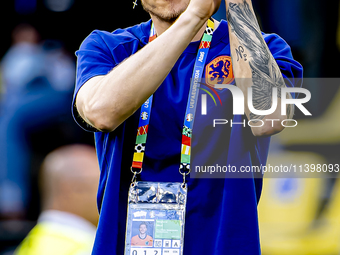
(48, 238)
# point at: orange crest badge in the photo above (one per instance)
(219, 71)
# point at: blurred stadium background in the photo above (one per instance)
(38, 40)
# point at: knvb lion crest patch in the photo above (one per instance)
(219, 71)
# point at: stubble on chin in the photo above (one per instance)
(170, 15)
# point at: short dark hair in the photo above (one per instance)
(143, 223)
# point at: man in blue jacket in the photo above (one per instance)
(117, 72)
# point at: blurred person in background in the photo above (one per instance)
(38, 81)
(22, 62)
(68, 181)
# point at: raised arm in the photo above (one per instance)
(106, 101)
(255, 67)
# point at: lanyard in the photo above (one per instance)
(190, 109)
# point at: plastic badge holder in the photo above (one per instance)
(156, 217)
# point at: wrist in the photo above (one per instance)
(194, 21)
(196, 15)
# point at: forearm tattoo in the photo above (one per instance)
(265, 72)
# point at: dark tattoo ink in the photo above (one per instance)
(265, 72)
(240, 53)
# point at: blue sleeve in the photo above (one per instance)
(93, 59)
(99, 53)
(291, 70)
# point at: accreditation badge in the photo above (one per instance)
(155, 220)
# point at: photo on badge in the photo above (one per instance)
(142, 233)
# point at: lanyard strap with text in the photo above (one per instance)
(189, 114)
